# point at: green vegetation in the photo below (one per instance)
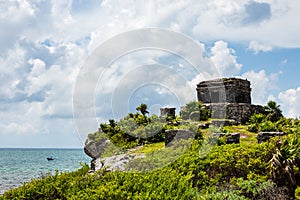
(200, 170)
(194, 111)
(149, 148)
(228, 171)
(260, 123)
(273, 112)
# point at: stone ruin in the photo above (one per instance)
(168, 112)
(228, 98)
(265, 136)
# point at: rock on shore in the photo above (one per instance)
(115, 163)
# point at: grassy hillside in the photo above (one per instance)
(203, 169)
(235, 171)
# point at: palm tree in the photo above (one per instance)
(143, 109)
(283, 162)
(273, 111)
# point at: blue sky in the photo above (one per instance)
(44, 45)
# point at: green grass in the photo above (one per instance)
(247, 137)
(148, 148)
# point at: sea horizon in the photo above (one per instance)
(19, 165)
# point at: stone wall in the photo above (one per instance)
(239, 112)
(168, 112)
(230, 90)
(228, 98)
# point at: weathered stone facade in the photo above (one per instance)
(226, 90)
(239, 112)
(168, 112)
(228, 98)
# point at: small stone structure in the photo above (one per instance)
(265, 136)
(168, 112)
(231, 138)
(228, 98)
(226, 90)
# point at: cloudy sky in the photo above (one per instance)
(45, 44)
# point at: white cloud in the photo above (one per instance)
(44, 43)
(224, 22)
(289, 101)
(261, 83)
(224, 59)
(257, 47)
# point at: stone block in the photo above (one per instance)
(265, 136)
(168, 112)
(231, 138)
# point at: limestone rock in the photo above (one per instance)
(96, 164)
(264, 136)
(195, 116)
(115, 163)
(94, 149)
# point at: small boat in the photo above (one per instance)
(50, 158)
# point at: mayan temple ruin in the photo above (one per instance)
(228, 98)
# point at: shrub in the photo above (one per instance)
(194, 111)
(297, 193)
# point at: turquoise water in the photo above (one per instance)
(21, 165)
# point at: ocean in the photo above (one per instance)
(18, 166)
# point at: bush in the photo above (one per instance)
(194, 111)
(297, 193)
(227, 172)
(267, 126)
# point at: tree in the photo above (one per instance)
(273, 111)
(194, 110)
(143, 109)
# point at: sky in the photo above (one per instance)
(46, 44)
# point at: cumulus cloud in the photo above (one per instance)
(257, 47)
(224, 59)
(289, 101)
(228, 19)
(262, 84)
(224, 62)
(44, 43)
